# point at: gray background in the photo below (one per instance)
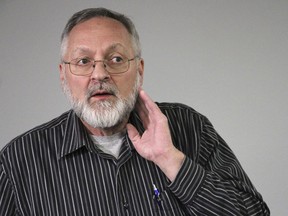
(226, 59)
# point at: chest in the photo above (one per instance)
(88, 184)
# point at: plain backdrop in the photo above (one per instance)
(226, 59)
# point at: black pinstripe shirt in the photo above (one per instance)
(54, 169)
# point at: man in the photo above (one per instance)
(104, 157)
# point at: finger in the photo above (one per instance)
(140, 106)
(142, 110)
(146, 101)
(143, 113)
(147, 109)
(133, 134)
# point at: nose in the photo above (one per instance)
(99, 72)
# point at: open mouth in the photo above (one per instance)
(101, 94)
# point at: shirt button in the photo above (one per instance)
(126, 205)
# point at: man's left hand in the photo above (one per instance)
(155, 144)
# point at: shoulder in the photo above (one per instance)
(188, 130)
(173, 106)
(43, 128)
(183, 118)
(179, 110)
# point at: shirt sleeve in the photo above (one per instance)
(7, 199)
(218, 185)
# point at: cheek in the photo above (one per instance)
(78, 87)
(125, 85)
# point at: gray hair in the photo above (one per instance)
(90, 13)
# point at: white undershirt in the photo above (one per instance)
(109, 144)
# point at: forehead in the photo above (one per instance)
(99, 34)
(100, 23)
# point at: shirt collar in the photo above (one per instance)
(75, 135)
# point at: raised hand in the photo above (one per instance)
(155, 144)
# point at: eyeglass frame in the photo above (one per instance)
(103, 61)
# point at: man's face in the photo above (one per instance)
(101, 93)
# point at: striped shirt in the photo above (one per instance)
(55, 169)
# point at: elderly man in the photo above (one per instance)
(117, 152)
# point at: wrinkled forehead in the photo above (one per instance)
(101, 32)
(113, 48)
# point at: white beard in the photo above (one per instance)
(103, 114)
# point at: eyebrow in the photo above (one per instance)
(112, 47)
(81, 50)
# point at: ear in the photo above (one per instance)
(141, 70)
(62, 72)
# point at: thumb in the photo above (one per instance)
(133, 134)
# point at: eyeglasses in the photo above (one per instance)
(85, 66)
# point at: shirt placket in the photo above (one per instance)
(125, 155)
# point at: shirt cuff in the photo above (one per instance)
(188, 181)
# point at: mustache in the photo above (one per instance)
(101, 87)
